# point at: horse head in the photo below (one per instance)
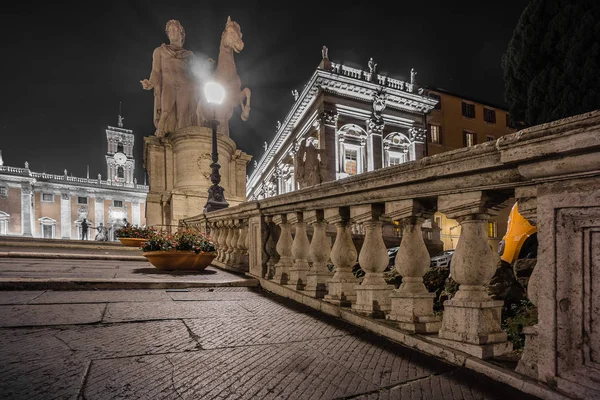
(232, 36)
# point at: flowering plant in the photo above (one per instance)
(182, 240)
(134, 231)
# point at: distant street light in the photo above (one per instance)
(215, 94)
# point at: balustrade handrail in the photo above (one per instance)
(487, 166)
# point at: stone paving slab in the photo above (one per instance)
(19, 297)
(99, 296)
(50, 314)
(120, 312)
(266, 329)
(213, 296)
(25, 344)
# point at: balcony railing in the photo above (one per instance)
(552, 170)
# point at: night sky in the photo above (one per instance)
(66, 66)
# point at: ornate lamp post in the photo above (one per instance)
(215, 94)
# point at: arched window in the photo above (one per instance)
(120, 147)
(351, 151)
(120, 172)
(396, 148)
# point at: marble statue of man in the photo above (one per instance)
(175, 88)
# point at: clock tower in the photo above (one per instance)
(120, 164)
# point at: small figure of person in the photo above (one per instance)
(84, 229)
(102, 234)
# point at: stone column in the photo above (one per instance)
(242, 246)
(327, 140)
(528, 364)
(300, 247)
(65, 215)
(270, 246)
(319, 252)
(412, 304)
(27, 209)
(341, 287)
(135, 212)
(373, 294)
(472, 320)
(284, 249)
(99, 211)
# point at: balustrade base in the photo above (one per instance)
(528, 364)
(317, 284)
(373, 300)
(483, 351)
(298, 275)
(413, 312)
(282, 272)
(342, 294)
(474, 327)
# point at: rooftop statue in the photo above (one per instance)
(175, 88)
(226, 74)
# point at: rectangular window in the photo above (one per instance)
(351, 162)
(468, 110)
(82, 200)
(509, 123)
(490, 138)
(492, 229)
(434, 131)
(489, 115)
(118, 203)
(289, 187)
(48, 197)
(469, 139)
(395, 160)
(438, 106)
(3, 226)
(438, 222)
(3, 191)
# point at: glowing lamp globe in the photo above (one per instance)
(215, 94)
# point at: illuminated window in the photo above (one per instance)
(492, 229)
(489, 115)
(120, 172)
(469, 139)
(48, 197)
(434, 131)
(118, 203)
(351, 162)
(468, 110)
(82, 200)
(395, 160)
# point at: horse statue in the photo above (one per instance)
(226, 74)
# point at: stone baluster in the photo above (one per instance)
(528, 364)
(472, 320)
(270, 246)
(223, 230)
(214, 235)
(284, 249)
(228, 242)
(412, 304)
(300, 248)
(236, 252)
(373, 294)
(319, 252)
(242, 246)
(341, 286)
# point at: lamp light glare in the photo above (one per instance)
(214, 92)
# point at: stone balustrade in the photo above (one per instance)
(553, 170)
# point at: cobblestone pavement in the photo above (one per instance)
(208, 343)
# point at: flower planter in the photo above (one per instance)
(132, 242)
(180, 260)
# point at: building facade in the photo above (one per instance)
(348, 121)
(37, 204)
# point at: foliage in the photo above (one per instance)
(435, 281)
(182, 241)
(550, 66)
(515, 318)
(134, 231)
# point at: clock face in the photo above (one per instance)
(120, 158)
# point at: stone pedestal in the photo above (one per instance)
(178, 167)
(413, 312)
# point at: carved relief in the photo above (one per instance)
(310, 165)
(204, 162)
(329, 117)
(65, 196)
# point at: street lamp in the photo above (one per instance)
(215, 94)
